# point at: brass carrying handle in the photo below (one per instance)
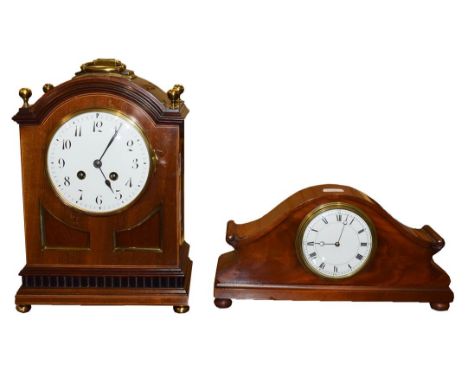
(109, 66)
(103, 65)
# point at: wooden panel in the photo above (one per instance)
(57, 234)
(144, 236)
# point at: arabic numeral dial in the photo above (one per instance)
(98, 161)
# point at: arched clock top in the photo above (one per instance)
(106, 76)
(309, 198)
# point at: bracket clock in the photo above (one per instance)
(103, 184)
(331, 243)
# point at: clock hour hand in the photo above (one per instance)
(108, 184)
(107, 181)
(98, 164)
(110, 142)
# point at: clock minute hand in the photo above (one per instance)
(110, 142)
(341, 234)
(342, 230)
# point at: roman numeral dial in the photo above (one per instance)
(336, 241)
(98, 161)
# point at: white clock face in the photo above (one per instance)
(335, 242)
(98, 161)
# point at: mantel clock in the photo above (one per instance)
(103, 191)
(331, 243)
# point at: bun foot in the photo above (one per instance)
(23, 308)
(440, 305)
(181, 308)
(223, 303)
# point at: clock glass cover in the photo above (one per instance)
(98, 161)
(336, 240)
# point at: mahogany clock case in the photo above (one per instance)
(134, 256)
(265, 263)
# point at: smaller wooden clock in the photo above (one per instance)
(103, 166)
(332, 243)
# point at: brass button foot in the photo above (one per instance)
(181, 308)
(23, 308)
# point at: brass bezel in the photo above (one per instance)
(151, 153)
(326, 207)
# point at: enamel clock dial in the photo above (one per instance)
(336, 241)
(98, 161)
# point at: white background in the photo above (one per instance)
(283, 95)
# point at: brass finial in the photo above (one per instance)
(174, 96)
(47, 87)
(25, 94)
